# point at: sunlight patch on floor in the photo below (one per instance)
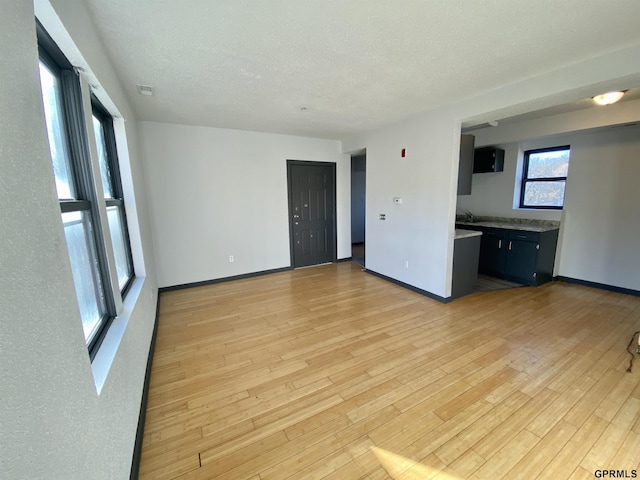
(401, 468)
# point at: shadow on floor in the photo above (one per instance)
(487, 284)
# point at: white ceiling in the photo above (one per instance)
(353, 65)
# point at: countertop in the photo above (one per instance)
(461, 233)
(512, 224)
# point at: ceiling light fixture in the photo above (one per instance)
(608, 98)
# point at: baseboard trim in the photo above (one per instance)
(137, 447)
(430, 295)
(222, 280)
(601, 286)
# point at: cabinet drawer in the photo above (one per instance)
(524, 235)
(493, 232)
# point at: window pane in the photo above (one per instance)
(119, 249)
(102, 157)
(544, 194)
(84, 266)
(55, 129)
(548, 164)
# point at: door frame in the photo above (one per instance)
(334, 240)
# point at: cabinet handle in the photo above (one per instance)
(500, 243)
(509, 245)
(538, 246)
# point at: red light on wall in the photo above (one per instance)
(404, 152)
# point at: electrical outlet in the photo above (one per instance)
(231, 259)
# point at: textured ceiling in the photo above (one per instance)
(331, 68)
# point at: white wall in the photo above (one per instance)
(217, 192)
(420, 229)
(601, 224)
(492, 194)
(54, 424)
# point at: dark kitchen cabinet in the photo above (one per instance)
(530, 256)
(521, 261)
(465, 168)
(520, 256)
(492, 254)
(488, 159)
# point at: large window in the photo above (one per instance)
(544, 177)
(112, 193)
(68, 134)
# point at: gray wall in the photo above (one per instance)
(54, 423)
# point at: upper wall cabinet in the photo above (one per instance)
(488, 159)
(465, 169)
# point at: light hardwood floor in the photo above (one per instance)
(333, 373)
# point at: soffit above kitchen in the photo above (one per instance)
(534, 110)
(331, 68)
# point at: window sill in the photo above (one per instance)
(540, 209)
(108, 350)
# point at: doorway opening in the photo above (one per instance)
(358, 207)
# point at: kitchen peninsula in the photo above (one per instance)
(466, 254)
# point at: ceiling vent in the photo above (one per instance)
(145, 90)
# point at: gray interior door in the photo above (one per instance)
(312, 217)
